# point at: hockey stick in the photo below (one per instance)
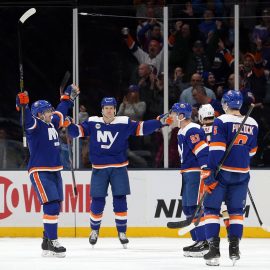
(21, 21)
(188, 221)
(264, 227)
(70, 155)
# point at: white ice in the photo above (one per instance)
(141, 254)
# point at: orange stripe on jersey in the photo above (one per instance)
(81, 131)
(217, 144)
(253, 150)
(34, 169)
(197, 146)
(110, 165)
(40, 188)
(61, 122)
(191, 170)
(211, 217)
(235, 169)
(50, 217)
(138, 130)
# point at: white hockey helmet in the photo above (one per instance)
(206, 111)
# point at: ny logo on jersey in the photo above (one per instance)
(106, 137)
(53, 135)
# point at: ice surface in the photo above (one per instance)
(142, 254)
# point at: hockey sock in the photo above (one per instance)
(96, 212)
(236, 223)
(50, 219)
(120, 211)
(200, 232)
(212, 225)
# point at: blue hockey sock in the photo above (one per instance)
(120, 211)
(96, 212)
(50, 219)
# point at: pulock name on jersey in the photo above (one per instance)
(245, 129)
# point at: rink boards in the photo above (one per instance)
(154, 200)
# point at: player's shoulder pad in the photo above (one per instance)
(121, 120)
(190, 129)
(95, 119)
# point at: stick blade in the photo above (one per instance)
(186, 229)
(27, 14)
(179, 224)
(64, 82)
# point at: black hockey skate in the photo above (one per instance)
(123, 239)
(93, 237)
(44, 246)
(187, 249)
(212, 257)
(234, 252)
(201, 248)
(56, 249)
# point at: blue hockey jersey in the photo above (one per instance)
(245, 146)
(192, 148)
(109, 142)
(42, 139)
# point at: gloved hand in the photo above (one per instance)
(210, 182)
(68, 120)
(71, 92)
(165, 119)
(22, 99)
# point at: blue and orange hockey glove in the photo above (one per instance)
(67, 122)
(71, 92)
(165, 119)
(22, 99)
(210, 182)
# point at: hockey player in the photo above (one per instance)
(193, 151)
(107, 152)
(206, 115)
(41, 126)
(232, 181)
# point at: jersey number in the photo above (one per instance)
(241, 139)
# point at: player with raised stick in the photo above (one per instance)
(41, 124)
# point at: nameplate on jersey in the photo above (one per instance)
(245, 129)
(106, 137)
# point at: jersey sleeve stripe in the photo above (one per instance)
(235, 169)
(198, 147)
(81, 132)
(34, 126)
(61, 122)
(253, 151)
(217, 146)
(139, 130)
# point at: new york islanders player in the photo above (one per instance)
(232, 181)
(193, 151)
(206, 115)
(41, 126)
(107, 152)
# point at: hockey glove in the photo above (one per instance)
(67, 122)
(22, 99)
(210, 182)
(71, 92)
(165, 119)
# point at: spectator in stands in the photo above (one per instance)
(153, 57)
(208, 25)
(199, 94)
(131, 105)
(186, 95)
(83, 114)
(176, 85)
(150, 31)
(198, 61)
